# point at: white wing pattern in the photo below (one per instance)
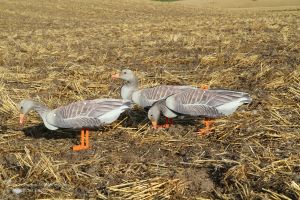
(85, 114)
(206, 103)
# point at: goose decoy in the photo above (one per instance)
(131, 85)
(82, 115)
(209, 104)
(160, 107)
(145, 98)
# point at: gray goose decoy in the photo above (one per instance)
(148, 96)
(78, 115)
(200, 102)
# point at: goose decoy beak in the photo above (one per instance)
(154, 124)
(22, 119)
(115, 76)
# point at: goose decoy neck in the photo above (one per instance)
(27, 105)
(133, 82)
(129, 88)
(41, 109)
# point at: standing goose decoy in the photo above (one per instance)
(148, 96)
(131, 85)
(209, 104)
(82, 115)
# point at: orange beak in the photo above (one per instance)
(22, 119)
(154, 124)
(115, 76)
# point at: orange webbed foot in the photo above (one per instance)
(158, 126)
(166, 125)
(80, 147)
(207, 129)
(204, 131)
(162, 126)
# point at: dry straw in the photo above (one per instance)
(58, 52)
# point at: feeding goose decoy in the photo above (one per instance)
(148, 96)
(209, 104)
(160, 107)
(82, 115)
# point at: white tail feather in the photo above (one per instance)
(229, 108)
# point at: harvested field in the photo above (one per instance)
(61, 51)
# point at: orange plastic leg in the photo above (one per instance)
(83, 144)
(167, 124)
(87, 138)
(206, 130)
(82, 137)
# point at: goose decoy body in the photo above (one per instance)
(147, 97)
(82, 115)
(209, 104)
(161, 107)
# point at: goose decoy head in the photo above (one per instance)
(125, 74)
(154, 114)
(25, 107)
